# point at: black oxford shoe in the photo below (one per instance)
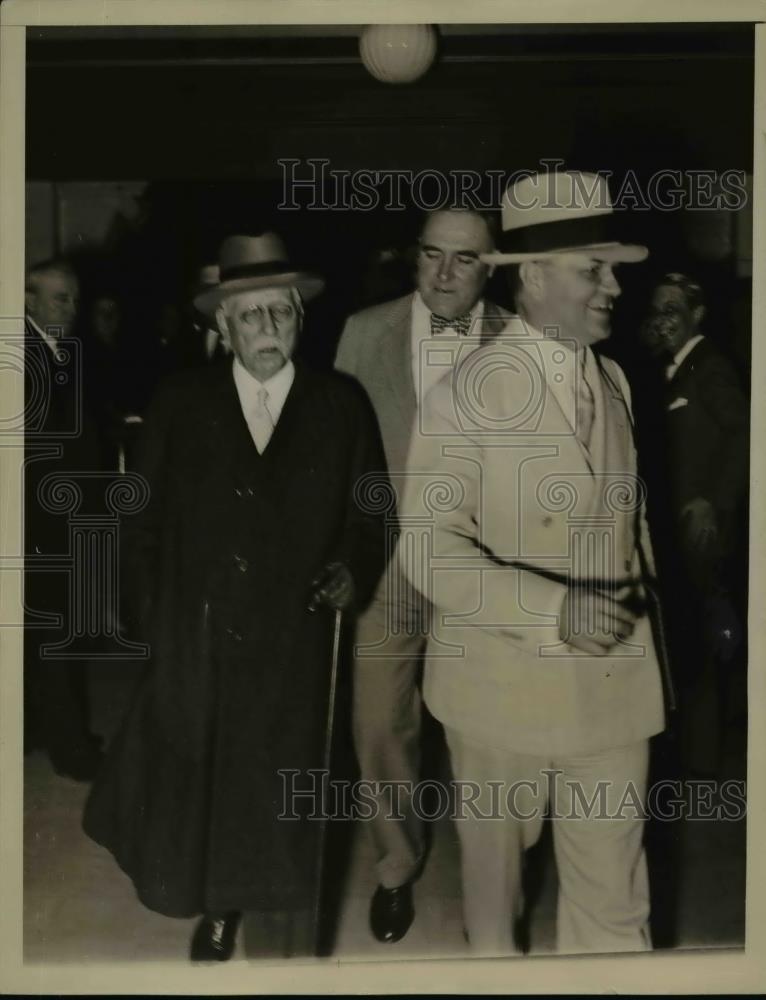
(214, 938)
(391, 913)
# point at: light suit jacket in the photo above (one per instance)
(376, 349)
(503, 508)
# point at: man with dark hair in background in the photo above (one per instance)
(59, 439)
(383, 348)
(705, 465)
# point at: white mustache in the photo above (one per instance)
(266, 343)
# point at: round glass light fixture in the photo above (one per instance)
(397, 53)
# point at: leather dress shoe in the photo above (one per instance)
(214, 938)
(391, 913)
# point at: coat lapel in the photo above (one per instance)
(697, 353)
(223, 412)
(395, 358)
(290, 417)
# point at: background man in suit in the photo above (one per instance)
(704, 458)
(60, 439)
(383, 347)
(541, 663)
(251, 524)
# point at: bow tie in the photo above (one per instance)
(461, 325)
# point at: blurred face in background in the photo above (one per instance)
(262, 327)
(52, 301)
(670, 323)
(105, 319)
(450, 276)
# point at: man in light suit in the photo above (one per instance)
(525, 517)
(383, 348)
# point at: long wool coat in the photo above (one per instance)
(222, 561)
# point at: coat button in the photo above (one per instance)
(241, 563)
(547, 521)
(233, 634)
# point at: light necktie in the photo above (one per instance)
(585, 404)
(261, 420)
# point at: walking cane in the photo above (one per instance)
(326, 759)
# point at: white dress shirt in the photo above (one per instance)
(424, 376)
(248, 388)
(681, 355)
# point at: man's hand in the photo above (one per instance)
(333, 588)
(593, 622)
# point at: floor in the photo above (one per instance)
(79, 907)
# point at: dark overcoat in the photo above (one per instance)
(222, 559)
(707, 426)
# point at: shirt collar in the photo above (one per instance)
(47, 337)
(277, 386)
(422, 313)
(548, 346)
(686, 350)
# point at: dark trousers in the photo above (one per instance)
(56, 703)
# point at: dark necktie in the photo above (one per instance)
(461, 325)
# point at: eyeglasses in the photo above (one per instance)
(255, 315)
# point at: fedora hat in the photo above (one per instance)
(207, 277)
(552, 213)
(250, 262)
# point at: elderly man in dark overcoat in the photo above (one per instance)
(254, 530)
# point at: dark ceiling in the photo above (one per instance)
(227, 104)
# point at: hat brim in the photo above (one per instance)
(612, 253)
(309, 286)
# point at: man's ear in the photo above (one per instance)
(223, 326)
(531, 278)
(698, 315)
(29, 301)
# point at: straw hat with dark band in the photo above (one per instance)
(250, 262)
(554, 213)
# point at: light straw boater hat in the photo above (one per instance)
(553, 213)
(249, 262)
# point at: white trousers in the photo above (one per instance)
(596, 804)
